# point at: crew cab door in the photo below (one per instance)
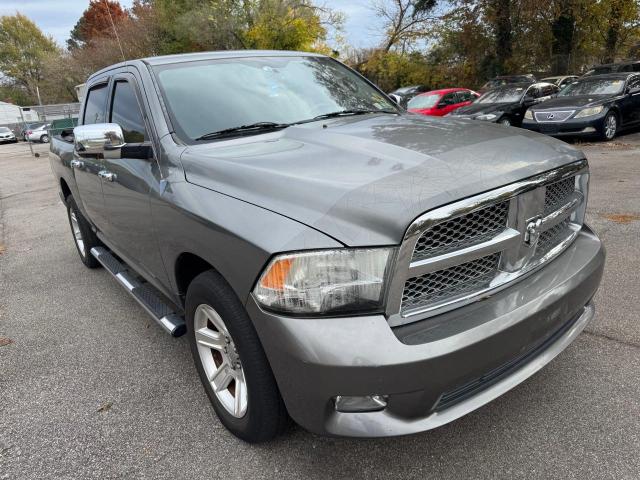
(86, 168)
(128, 180)
(631, 102)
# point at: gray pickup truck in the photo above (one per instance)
(331, 258)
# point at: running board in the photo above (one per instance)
(146, 295)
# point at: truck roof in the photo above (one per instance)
(189, 57)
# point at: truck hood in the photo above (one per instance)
(363, 180)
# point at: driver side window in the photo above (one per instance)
(634, 82)
(448, 99)
(125, 111)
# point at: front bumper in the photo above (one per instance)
(587, 126)
(434, 370)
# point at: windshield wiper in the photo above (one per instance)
(254, 127)
(345, 113)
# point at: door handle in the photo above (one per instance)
(76, 164)
(108, 176)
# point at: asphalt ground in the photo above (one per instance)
(90, 387)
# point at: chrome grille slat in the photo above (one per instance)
(463, 231)
(458, 253)
(450, 282)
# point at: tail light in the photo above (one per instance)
(29, 132)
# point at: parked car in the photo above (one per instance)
(27, 127)
(38, 134)
(601, 105)
(506, 105)
(620, 67)
(405, 94)
(441, 102)
(504, 80)
(561, 81)
(7, 136)
(366, 271)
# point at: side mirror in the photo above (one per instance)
(396, 98)
(99, 139)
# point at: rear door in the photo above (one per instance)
(86, 168)
(135, 173)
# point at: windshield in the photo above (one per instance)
(593, 87)
(502, 95)
(4, 130)
(423, 101)
(214, 95)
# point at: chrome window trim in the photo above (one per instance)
(513, 234)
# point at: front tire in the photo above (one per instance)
(609, 126)
(505, 121)
(232, 365)
(44, 139)
(83, 236)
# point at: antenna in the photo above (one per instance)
(113, 25)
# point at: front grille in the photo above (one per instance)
(553, 117)
(552, 237)
(462, 231)
(558, 194)
(461, 256)
(450, 282)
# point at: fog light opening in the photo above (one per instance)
(368, 403)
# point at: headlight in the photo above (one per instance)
(488, 116)
(528, 115)
(587, 112)
(326, 281)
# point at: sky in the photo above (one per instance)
(57, 17)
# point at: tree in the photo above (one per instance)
(97, 21)
(404, 20)
(22, 50)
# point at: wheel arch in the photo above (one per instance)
(187, 267)
(64, 188)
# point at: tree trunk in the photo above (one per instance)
(613, 34)
(563, 29)
(503, 34)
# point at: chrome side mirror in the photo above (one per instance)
(396, 98)
(99, 139)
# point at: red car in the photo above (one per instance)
(441, 102)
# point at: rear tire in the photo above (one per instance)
(83, 236)
(505, 121)
(221, 333)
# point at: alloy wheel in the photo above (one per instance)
(610, 126)
(220, 360)
(77, 233)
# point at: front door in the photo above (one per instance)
(85, 169)
(631, 102)
(126, 193)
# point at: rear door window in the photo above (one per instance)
(95, 105)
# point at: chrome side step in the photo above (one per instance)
(146, 295)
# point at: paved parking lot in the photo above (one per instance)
(91, 387)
